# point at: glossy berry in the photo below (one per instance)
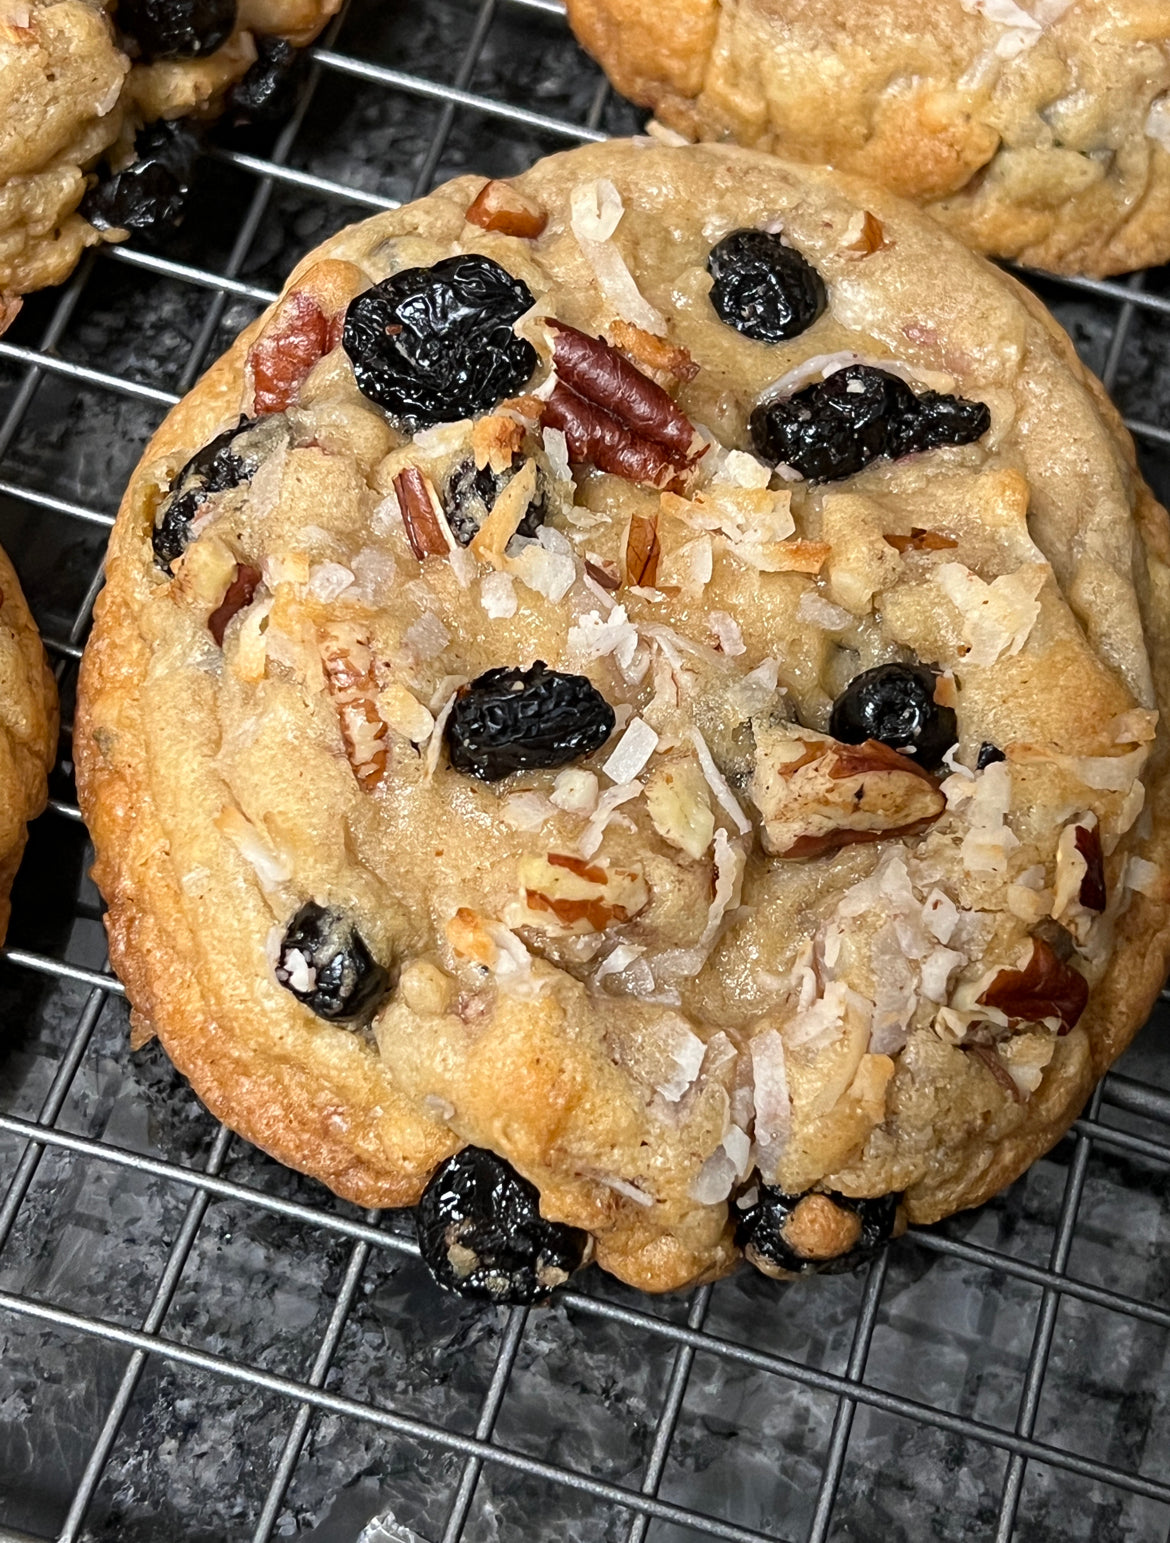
(432, 345)
(762, 288)
(220, 465)
(469, 494)
(150, 195)
(775, 1232)
(268, 91)
(510, 720)
(481, 1233)
(895, 704)
(326, 965)
(859, 415)
(988, 755)
(177, 29)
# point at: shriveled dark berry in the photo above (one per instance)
(468, 497)
(511, 720)
(762, 288)
(220, 465)
(789, 1235)
(150, 195)
(326, 965)
(988, 755)
(268, 91)
(895, 704)
(432, 345)
(859, 415)
(177, 29)
(481, 1233)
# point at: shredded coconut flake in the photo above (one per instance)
(575, 791)
(717, 782)
(631, 752)
(526, 811)
(727, 633)
(997, 617)
(595, 212)
(1143, 876)
(557, 449)
(618, 959)
(1158, 121)
(819, 612)
(547, 571)
(271, 868)
(609, 801)
(773, 1105)
(435, 747)
(593, 637)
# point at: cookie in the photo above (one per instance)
(1038, 131)
(81, 78)
(649, 674)
(28, 728)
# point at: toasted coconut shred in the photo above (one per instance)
(577, 686)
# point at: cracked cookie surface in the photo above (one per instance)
(572, 783)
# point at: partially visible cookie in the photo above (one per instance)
(79, 79)
(28, 728)
(1038, 131)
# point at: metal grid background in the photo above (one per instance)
(196, 1343)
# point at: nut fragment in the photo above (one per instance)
(414, 494)
(920, 540)
(816, 794)
(500, 207)
(867, 235)
(580, 896)
(655, 354)
(1045, 988)
(240, 591)
(643, 550)
(680, 806)
(349, 671)
(1088, 843)
(305, 325)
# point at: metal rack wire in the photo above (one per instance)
(743, 1412)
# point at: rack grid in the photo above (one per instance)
(197, 1343)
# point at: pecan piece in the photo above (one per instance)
(349, 671)
(599, 373)
(580, 896)
(815, 794)
(652, 352)
(989, 1056)
(643, 549)
(869, 239)
(1088, 843)
(305, 325)
(244, 582)
(592, 434)
(423, 530)
(919, 540)
(500, 207)
(1044, 988)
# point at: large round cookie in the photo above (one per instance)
(654, 914)
(74, 89)
(1038, 131)
(28, 728)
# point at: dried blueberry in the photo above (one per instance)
(150, 194)
(481, 1233)
(469, 495)
(220, 465)
(432, 345)
(858, 415)
(326, 965)
(268, 91)
(988, 755)
(511, 720)
(762, 288)
(895, 704)
(177, 29)
(814, 1233)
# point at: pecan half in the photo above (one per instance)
(1088, 843)
(1044, 988)
(592, 434)
(240, 591)
(815, 794)
(500, 207)
(423, 530)
(605, 377)
(919, 540)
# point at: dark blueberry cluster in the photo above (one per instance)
(481, 1233)
(762, 288)
(177, 29)
(510, 720)
(859, 415)
(772, 1239)
(268, 91)
(432, 345)
(150, 194)
(345, 980)
(220, 465)
(895, 704)
(469, 494)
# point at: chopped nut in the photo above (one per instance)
(654, 353)
(643, 550)
(1092, 891)
(304, 326)
(920, 540)
(496, 441)
(244, 581)
(680, 806)
(866, 235)
(416, 503)
(1045, 988)
(580, 896)
(815, 794)
(989, 1056)
(603, 572)
(349, 673)
(500, 207)
(594, 435)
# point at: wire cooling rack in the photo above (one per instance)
(196, 1343)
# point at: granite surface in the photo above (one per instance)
(197, 1453)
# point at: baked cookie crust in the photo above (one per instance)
(1037, 131)
(716, 951)
(70, 96)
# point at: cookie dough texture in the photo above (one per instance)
(695, 995)
(28, 728)
(1038, 131)
(70, 96)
